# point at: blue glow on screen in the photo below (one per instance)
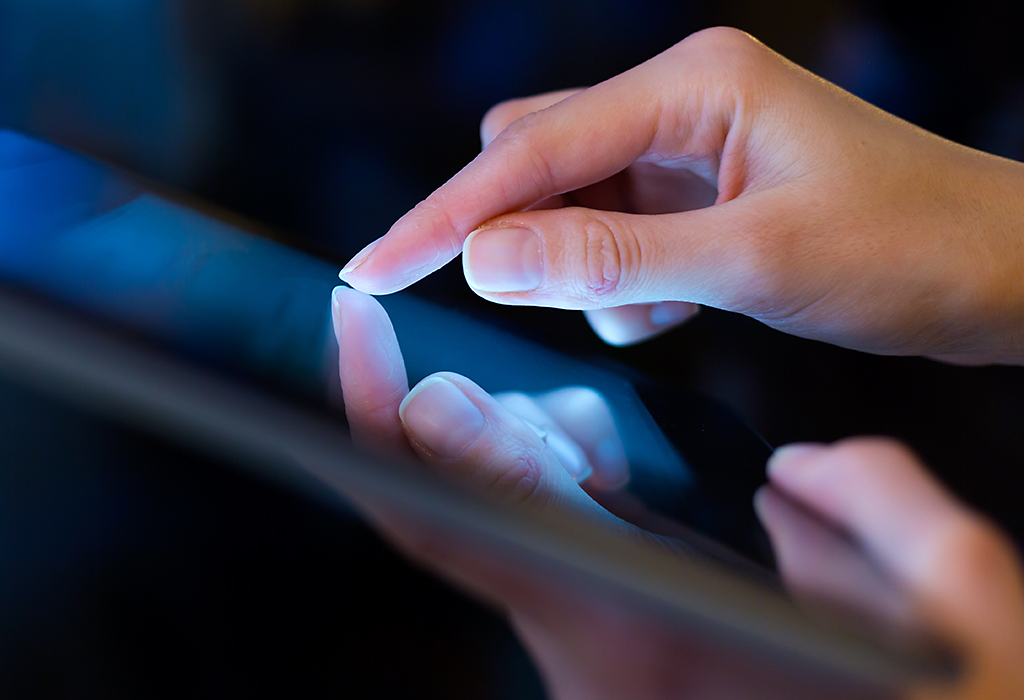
(75, 230)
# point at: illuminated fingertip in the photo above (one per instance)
(570, 455)
(789, 458)
(359, 259)
(669, 313)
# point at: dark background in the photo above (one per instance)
(131, 567)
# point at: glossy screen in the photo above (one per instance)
(83, 235)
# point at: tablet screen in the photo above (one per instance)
(85, 236)
(96, 243)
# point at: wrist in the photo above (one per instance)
(996, 227)
(968, 270)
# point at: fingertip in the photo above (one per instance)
(339, 293)
(358, 259)
(370, 287)
(337, 306)
(487, 133)
(417, 245)
(789, 461)
(622, 326)
(371, 370)
(365, 337)
(668, 314)
(345, 300)
(570, 456)
(760, 507)
(608, 328)
(584, 415)
(340, 297)
(364, 279)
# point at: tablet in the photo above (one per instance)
(170, 316)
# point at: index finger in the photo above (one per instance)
(581, 140)
(371, 370)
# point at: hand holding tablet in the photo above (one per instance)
(718, 173)
(952, 571)
(164, 316)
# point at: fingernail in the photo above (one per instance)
(667, 313)
(503, 260)
(359, 258)
(486, 136)
(336, 311)
(441, 417)
(788, 458)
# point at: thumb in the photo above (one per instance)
(577, 258)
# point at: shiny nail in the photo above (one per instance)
(359, 258)
(336, 310)
(503, 260)
(441, 417)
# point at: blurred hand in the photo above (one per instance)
(957, 572)
(830, 220)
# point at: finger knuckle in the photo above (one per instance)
(526, 155)
(519, 481)
(513, 399)
(722, 38)
(603, 254)
(728, 48)
(736, 59)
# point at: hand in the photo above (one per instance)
(830, 220)
(956, 571)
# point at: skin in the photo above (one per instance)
(955, 573)
(828, 219)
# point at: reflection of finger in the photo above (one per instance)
(625, 325)
(819, 562)
(587, 419)
(470, 437)
(952, 558)
(373, 379)
(504, 113)
(568, 452)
